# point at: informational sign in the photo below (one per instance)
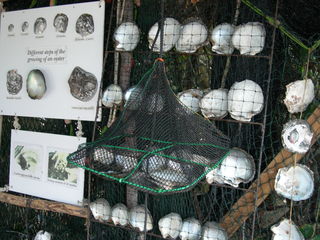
(38, 166)
(51, 61)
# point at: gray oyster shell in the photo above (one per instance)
(36, 84)
(24, 26)
(40, 25)
(83, 85)
(14, 82)
(85, 25)
(10, 27)
(61, 22)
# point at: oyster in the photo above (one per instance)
(295, 183)
(134, 94)
(40, 25)
(221, 38)
(193, 35)
(245, 100)
(169, 178)
(296, 136)
(215, 103)
(249, 38)
(137, 217)
(171, 31)
(14, 82)
(238, 167)
(85, 25)
(286, 230)
(102, 155)
(83, 85)
(191, 229)
(170, 225)
(299, 95)
(154, 103)
(127, 163)
(126, 36)
(100, 209)
(191, 98)
(36, 84)
(10, 27)
(42, 235)
(112, 96)
(119, 214)
(60, 22)
(212, 230)
(24, 27)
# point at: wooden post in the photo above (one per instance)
(245, 206)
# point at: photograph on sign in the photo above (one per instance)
(39, 166)
(51, 61)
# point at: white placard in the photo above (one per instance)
(38, 166)
(55, 54)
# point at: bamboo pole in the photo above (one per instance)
(245, 206)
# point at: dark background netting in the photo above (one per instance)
(202, 69)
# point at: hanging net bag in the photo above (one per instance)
(157, 144)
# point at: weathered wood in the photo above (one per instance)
(245, 206)
(44, 205)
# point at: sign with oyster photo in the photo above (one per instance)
(51, 61)
(39, 166)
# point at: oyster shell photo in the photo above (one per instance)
(10, 28)
(170, 225)
(296, 136)
(112, 96)
(295, 183)
(83, 85)
(215, 103)
(193, 35)
(60, 22)
(191, 98)
(221, 38)
(126, 36)
(245, 100)
(100, 209)
(286, 230)
(14, 82)
(24, 27)
(191, 229)
(299, 95)
(36, 84)
(40, 25)
(171, 33)
(212, 230)
(120, 214)
(42, 235)
(249, 38)
(85, 25)
(137, 216)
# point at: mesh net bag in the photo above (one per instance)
(157, 144)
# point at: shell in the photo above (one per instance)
(36, 84)
(40, 25)
(24, 26)
(171, 35)
(154, 103)
(221, 38)
(295, 183)
(193, 35)
(14, 82)
(127, 163)
(215, 104)
(211, 230)
(42, 235)
(112, 96)
(170, 225)
(102, 155)
(169, 178)
(191, 229)
(119, 214)
(296, 136)
(100, 209)
(249, 38)
(126, 36)
(137, 218)
(238, 167)
(191, 98)
(245, 100)
(83, 85)
(10, 28)
(153, 163)
(299, 95)
(134, 93)
(60, 22)
(85, 25)
(286, 230)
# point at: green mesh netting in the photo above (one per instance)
(157, 144)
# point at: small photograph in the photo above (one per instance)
(28, 160)
(60, 23)
(14, 82)
(10, 27)
(60, 169)
(85, 25)
(40, 25)
(24, 27)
